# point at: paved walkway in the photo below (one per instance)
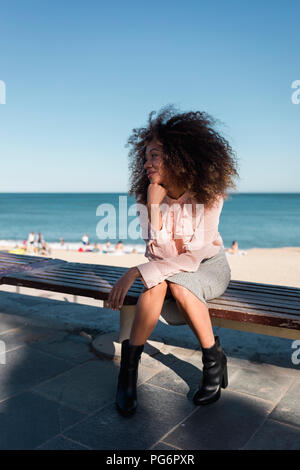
(55, 393)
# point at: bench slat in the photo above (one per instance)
(249, 285)
(271, 301)
(70, 288)
(93, 270)
(91, 281)
(21, 258)
(270, 296)
(79, 275)
(81, 267)
(220, 304)
(267, 294)
(254, 317)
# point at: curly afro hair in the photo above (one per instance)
(197, 156)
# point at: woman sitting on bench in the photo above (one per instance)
(181, 171)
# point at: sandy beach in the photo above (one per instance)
(266, 265)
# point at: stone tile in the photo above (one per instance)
(89, 386)
(288, 371)
(162, 446)
(27, 420)
(226, 424)
(75, 348)
(241, 345)
(10, 321)
(175, 336)
(58, 314)
(158, 411)
(61, 443)
(181, 374)
(275, 436)
(261, 382)
(288, 409)
(183, 353)
(25, 368)
(257, 348)
(22, 336)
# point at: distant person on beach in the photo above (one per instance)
(30, 240)
(119, 249)
(234, 250)
(88, 248)
(85, 239)
(119, 245)
(96, 248)
(39, 241)
(46, 250)
(108, 248)
(62, 242)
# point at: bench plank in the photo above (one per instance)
(255, 287)
(97, 291)
(10, 263)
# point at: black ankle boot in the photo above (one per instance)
(215, 374)
(126, 399)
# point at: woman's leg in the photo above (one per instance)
(195, 313)
(148, 311)
(215, 374)
(186, 317)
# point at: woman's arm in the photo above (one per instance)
(159, 243)
(121, 287)
(134, 273)
(201, 246)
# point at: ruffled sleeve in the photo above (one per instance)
(204, 243)
(159, 243)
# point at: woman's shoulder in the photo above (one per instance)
(214, 201)
(211, 208)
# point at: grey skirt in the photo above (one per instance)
(208, 282)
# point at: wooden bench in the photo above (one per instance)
(247, 306)
(11, 263)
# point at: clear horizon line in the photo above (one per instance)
(126, 192)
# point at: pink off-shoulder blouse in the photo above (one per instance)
(188, 235)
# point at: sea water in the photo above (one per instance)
(263, 220)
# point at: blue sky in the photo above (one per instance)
(80, 75)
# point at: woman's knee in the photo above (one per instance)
(179, 292)
(159, 289)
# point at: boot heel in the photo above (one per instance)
(225, 378)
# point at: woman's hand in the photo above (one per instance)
(155, 194)
(118, 293)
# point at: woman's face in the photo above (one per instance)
(154, 166)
